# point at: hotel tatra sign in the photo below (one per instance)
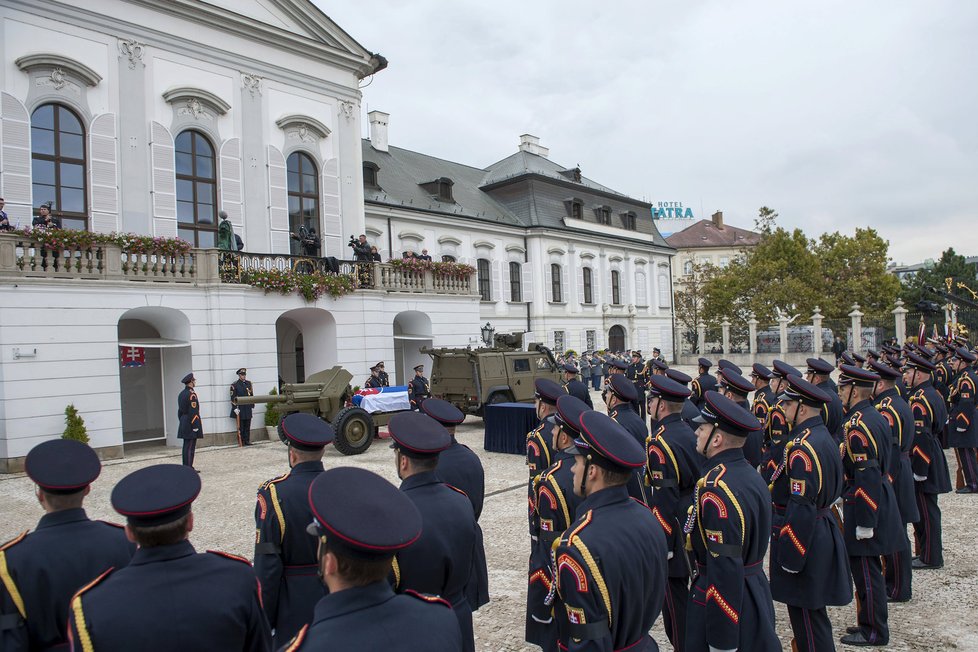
(671, 210)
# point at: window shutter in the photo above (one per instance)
(329, 200)
(580, 285)
(231, 183)
(564, 284)
(505, 291)
(641, 293)
(643, 341)
(548, 285)
(15, 160)
(664, 291)
(527, 280)
(102, 172)
(164, 182)
(495, 287)
(278, 197)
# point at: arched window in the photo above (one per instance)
(58, 164)
(558, 296)
(515, 282)
(663, 291)
(616, 287)
(485, 283)
(688, 268)
(303, 194)
(196, 189)
(588, 285)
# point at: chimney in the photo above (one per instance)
(378, 130)
(718, 219)
(532, 145)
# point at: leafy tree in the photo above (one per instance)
(765, 221)
(74, 425)
(853, 270)
(951, 265)
(689, 300)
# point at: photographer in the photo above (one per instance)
(44, 219)
(361, 250)
(308, 241)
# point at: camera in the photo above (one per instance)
(352, 242)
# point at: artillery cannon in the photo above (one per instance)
(327, 394)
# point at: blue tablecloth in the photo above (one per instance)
(507, 425)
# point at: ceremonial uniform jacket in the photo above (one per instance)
(700, 386)
(832, 412)
(611, 572)
(962, 426)
(730, 602)
(373, 382)
(172, 598)
(805, 539)
(672, 470)
(418, 390)
(943, 378)
(775, 438)
(636, 374)
(901, 389)
(285, 554)
(385, 380)
(869, 500)
(634, 424)
(241, 388)
(440, 562)
(40, 571)
(538, 458)
(754, 446)
(373, 617)
(188, 413)
(898, 414)
(579, 390)
(927, 457)
(764, 400)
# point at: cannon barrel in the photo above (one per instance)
(262, 398)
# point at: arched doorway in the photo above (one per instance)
(412, 330)
(154, 349)
(305, 342)
(616, 338)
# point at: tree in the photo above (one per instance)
(689, 300)
(74, 425)
(765, 221)
(951, 265)
(853, 270)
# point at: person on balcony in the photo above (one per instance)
(308, 241)
(4, 220)
(225, 234)
(44, 219)
(374, 254)
(424, 255)
(361, 250)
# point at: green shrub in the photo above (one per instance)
(74, 425)
(271, 414)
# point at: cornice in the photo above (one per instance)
(297, 121)
(30, 62)
(190, 94)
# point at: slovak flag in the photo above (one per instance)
(383, 399)
(922, 337)
(132, 356)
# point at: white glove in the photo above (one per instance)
(919, 478)
(788, 570)
(716, 649)
(863, 533)
(670, 554)
(235, 410)
(962, 430)
(547, 621)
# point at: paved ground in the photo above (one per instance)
(941, 616)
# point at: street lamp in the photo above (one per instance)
(487, 333)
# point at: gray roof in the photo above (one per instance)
(522, 163)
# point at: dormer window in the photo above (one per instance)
(628, 221)
(603, 215)
(440, 189)
(574, 208)
(370, 171)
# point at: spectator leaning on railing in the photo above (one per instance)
(44, 218)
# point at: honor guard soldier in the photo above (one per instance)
(611, 561)
(37, 575)
(374, 382)
(729, 528)
(574, 387)
(809, 564)
(188, 415)
(725, 364)
(690, 410)
(764, 396)
(962, 427)
(943, 373)
(539, 456)
(735, 387)
(361, 611)
(818, 373)
(615, 366)
(169, 597)
(655, 367)
(555, 508)
(776, 429)
(620, 400)
(860, 360)
(242, 413)
(285, 556)
(440, 561)
(419, 389)
(636, 373)
(385, 380)
(672, 469)
(897, 412)
(871, 516)
(703, 383)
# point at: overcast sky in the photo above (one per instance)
(837, 114)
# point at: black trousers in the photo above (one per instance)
(871, 611)
(244, 432)
(898, 573)
(927, 531)
(968, 460)
(189, 450)
(812, 629)
(674, 611)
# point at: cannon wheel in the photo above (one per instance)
(355, 430)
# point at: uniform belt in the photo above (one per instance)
(299, 571)
(757, 568)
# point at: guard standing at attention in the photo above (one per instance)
(242, 413)
(374, 381)
(285, 556)
(361, 612)
(385, 380)
(188, 414)
(764, 396)
(690, 411)
(574, 387)
(818, 373)
(418, 389)
(672, 469)
(615, 366)
(776, 429)
(539, 455)
(38, 576)
(809, 564)
(729, 528)
(609, 604)
(703, 383)
(212, 599)
(636, 373)
(620, 398)
(735, 387)
(962, 427)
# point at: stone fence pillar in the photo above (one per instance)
(900, 322)
(752, 333)
(857, 328)
(701, 337)
(817, 318)
(783, 320)
(725, 327)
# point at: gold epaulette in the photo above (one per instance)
(228, 555)
(711, 477)
(267, 483)
(456, 489)
(17, 539)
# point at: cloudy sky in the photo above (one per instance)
(836, 113)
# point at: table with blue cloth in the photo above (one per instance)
(507, 425)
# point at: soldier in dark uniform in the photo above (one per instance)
(962, 427)
(818, 373)
(860, 360)
(620, 398)
(764, 396)
(735, 387)
(897, 412)
(574, 387)
(39, 577)
(871, 516)
(440, 561)
(672, 469)
(611, 561)
(809, 565)
(615, 366)
(703, 383)
(776, 429)
(636, 374)
(943, 374)
(726, 364)
(242, 387)
(285, 556)
(690, 410)
(188, 413)
(539, 456)
(654, 367)
(169, 597)
(730, 604)
(385, 380)
(373, 382)
(418, 389)
(361, 612)
(555, 506)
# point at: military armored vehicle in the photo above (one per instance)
(470, 378)
(327, 394)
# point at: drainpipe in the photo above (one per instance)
(390, 239)
(526, 259)
(672, 312)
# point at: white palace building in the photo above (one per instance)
(150, 116)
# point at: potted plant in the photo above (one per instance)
(272, 418)
(74, 425)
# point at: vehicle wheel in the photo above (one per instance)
(494, 398)
(355, 430)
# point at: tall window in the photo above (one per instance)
(58, 164)
(557, 295)
(577, 210)
(196, 189)
(628, 221)
(303, 194)
(515, 282)
(688, 268)
(663, 291)
(558, 341)
(604, 215)
(616, 287)
(588, 285)
(485, 283)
